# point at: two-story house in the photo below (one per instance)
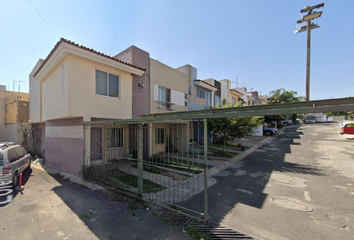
(160, 89)
(75, 84)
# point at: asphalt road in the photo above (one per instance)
(299, 186)
(52, 208)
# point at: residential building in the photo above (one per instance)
(201, 92)
(263, 99)
(254, 95)
(200, 96)
(14, 111)
(243, 98)
(75, 84)
(221, 93)
(160, 89)
(233, 94)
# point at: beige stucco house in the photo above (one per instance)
(14, 111)
(75, 84)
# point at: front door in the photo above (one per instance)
(96, 143)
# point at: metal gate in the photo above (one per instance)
(164, 163)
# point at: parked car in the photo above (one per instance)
(14, 160)
(347, 129)
(287, 122)
(310, 119)
(270, 131)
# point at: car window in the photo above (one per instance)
(20, 151)
(1, 159)
(12, 155)
(350, 125)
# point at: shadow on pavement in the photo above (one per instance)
(245, 181)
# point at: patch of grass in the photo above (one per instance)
(172, 165)
(232, 147)
(195, 234)
(84, 216)
(130, 180)
(219, 153)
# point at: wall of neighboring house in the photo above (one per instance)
(14, 107)
(243, 90)
(167, 77)
(141, 95)
(224, 90)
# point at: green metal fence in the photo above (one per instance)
(163, 163)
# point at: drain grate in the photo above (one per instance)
(212, 229)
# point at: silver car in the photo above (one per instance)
(14, 160)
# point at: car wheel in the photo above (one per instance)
(268, 133)
(286, 124)
(15, 180)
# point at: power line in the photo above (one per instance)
(259, 26)
(43, 18)
(111, 23)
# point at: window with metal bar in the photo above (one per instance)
(115, 137)
(160, 135)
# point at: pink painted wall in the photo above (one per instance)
(64, 147)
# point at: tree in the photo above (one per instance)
(229, 128)
(281, 95)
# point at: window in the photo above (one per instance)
(164, 97)
(217, 100)
(159, 135)
(233, 100)
(115, 138)
(11, 155)
(107, 84)
(207, 99)
(21, 152)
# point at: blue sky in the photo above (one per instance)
(251, 40)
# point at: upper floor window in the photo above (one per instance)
(164, 97)
(207, 99)
(107, 84)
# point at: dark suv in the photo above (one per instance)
(14, 159)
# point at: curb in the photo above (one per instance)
(72, 178)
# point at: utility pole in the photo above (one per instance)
(310, 15)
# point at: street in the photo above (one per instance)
(54, 208)
(299, 186)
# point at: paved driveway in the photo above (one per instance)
(52, 208)
(299, 186)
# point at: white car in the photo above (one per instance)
(14, 160)
(310, 119)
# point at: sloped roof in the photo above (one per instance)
(63, 40)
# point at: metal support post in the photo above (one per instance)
(308, 60)
(205, 170)
(140, 159)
